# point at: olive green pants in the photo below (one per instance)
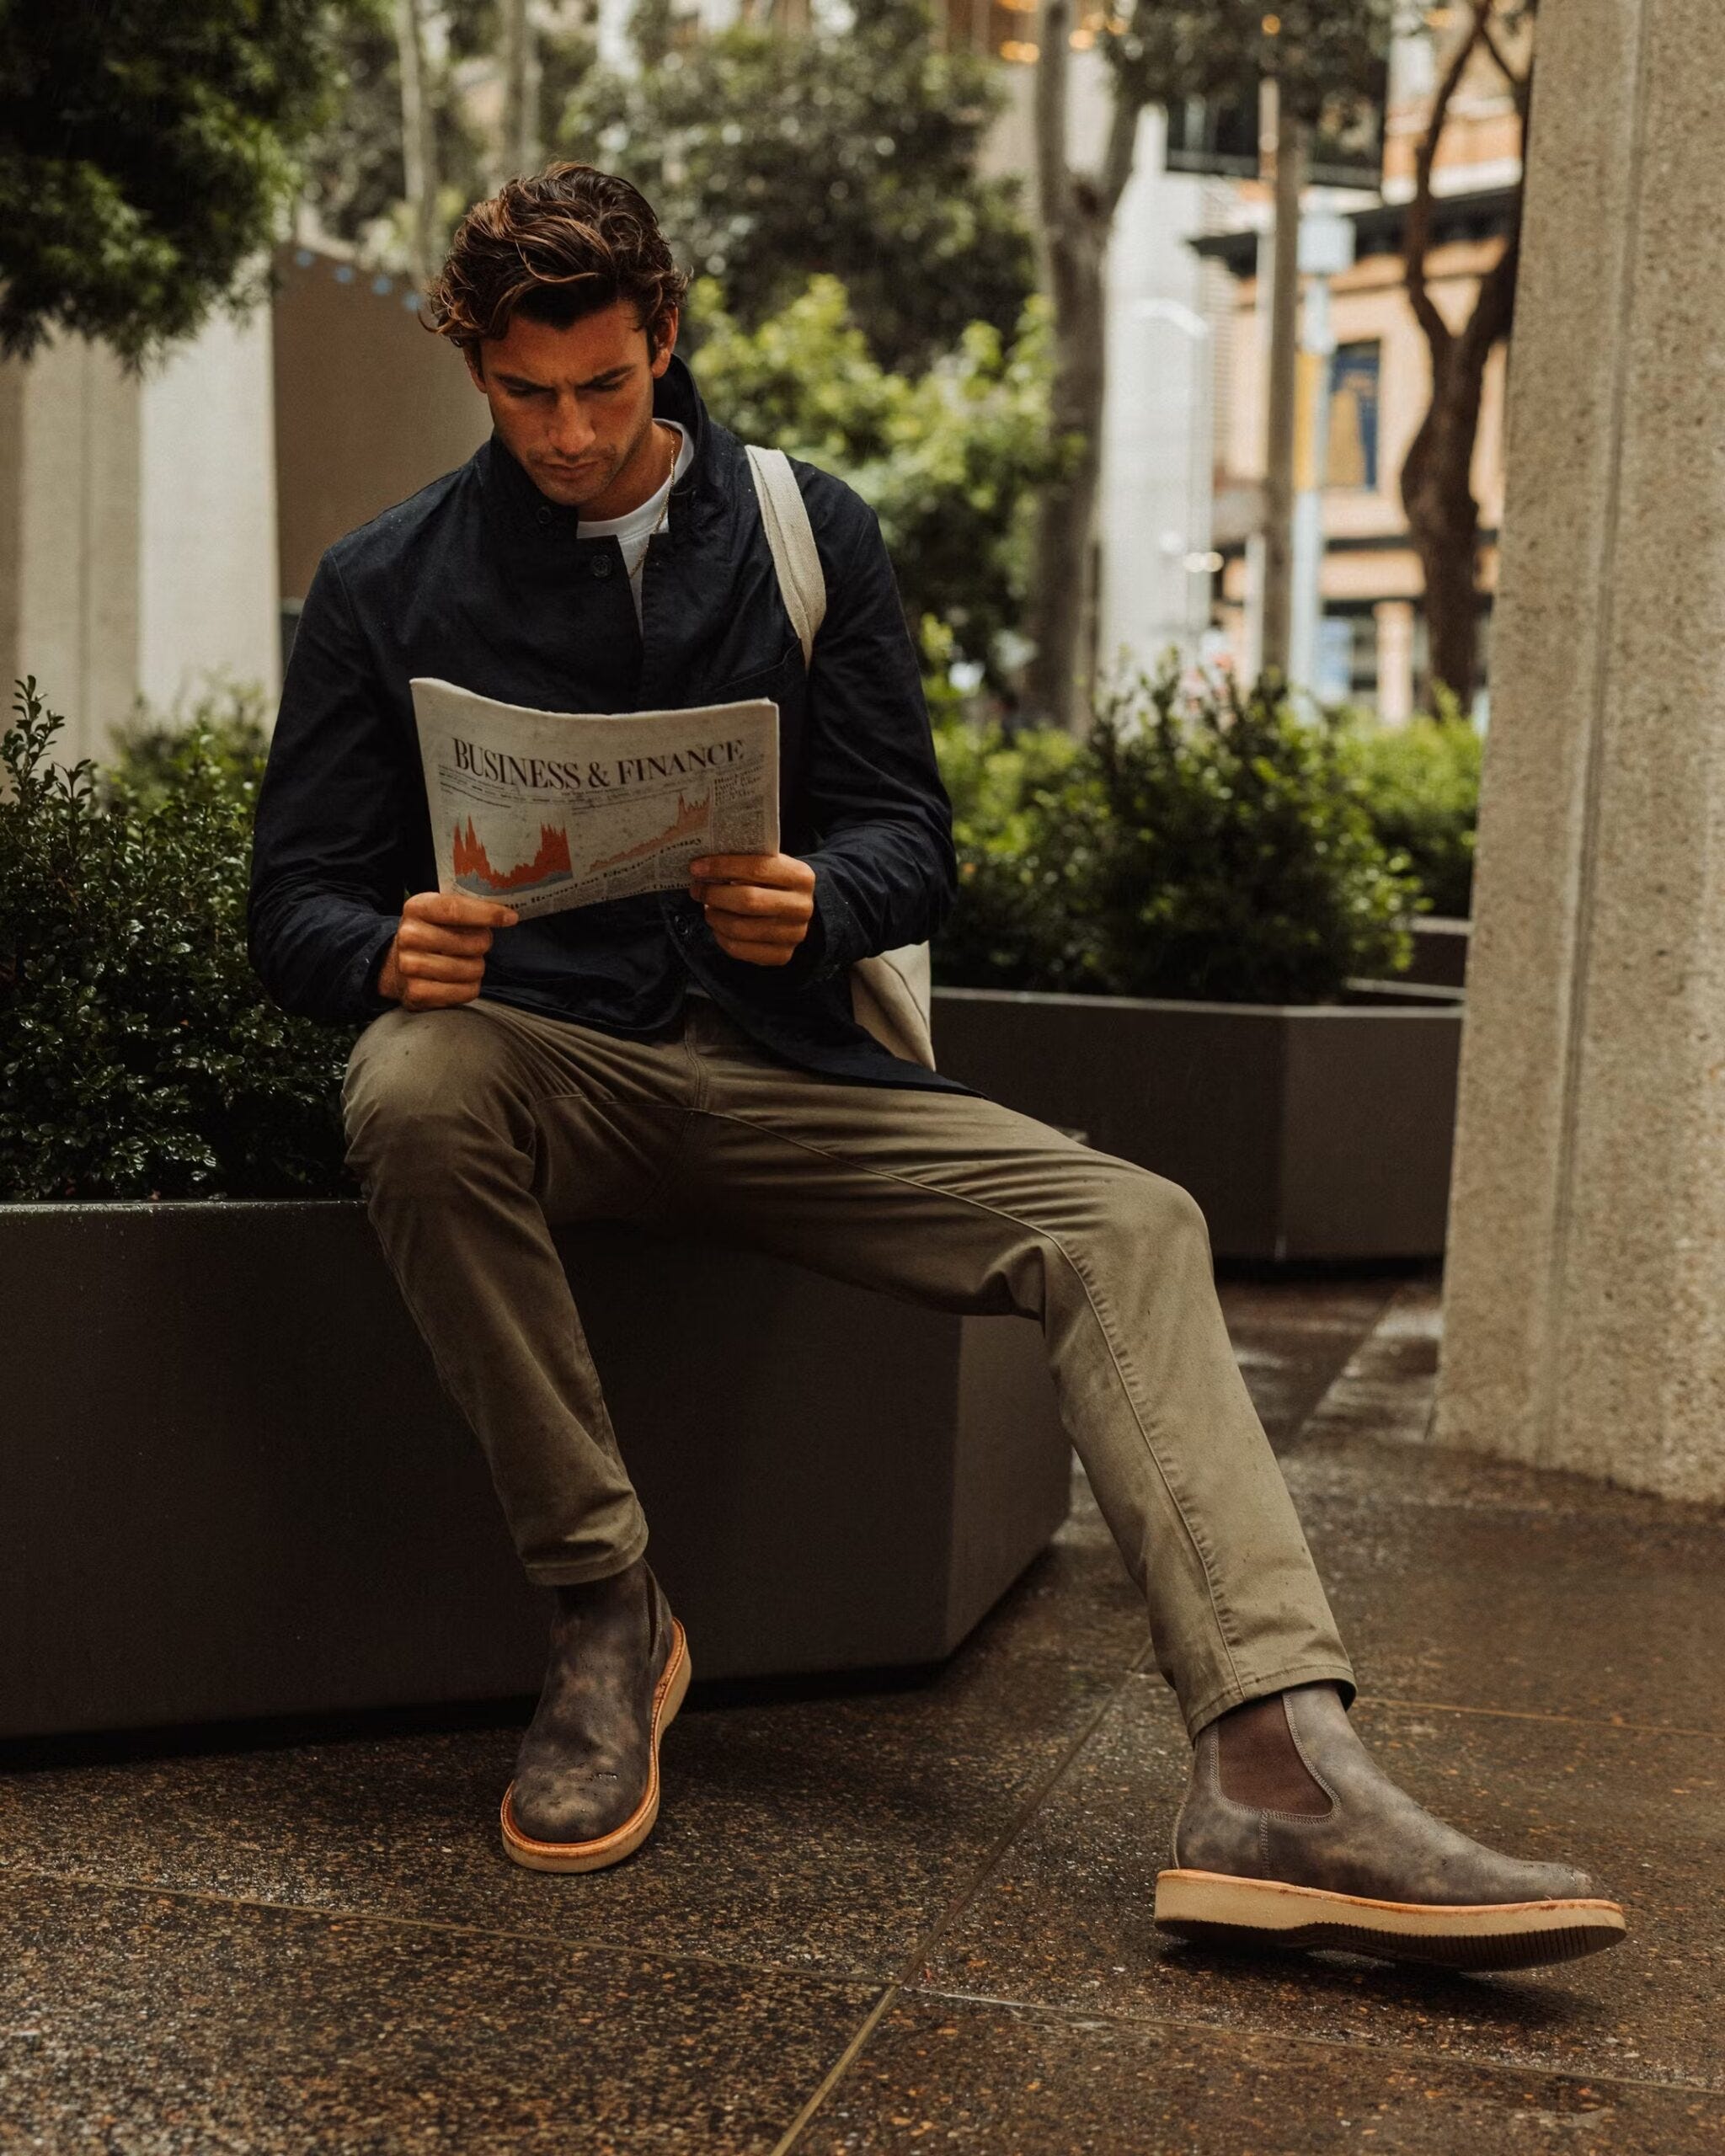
(473, 1130)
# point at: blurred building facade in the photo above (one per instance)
(159, 529)
(1370, 646)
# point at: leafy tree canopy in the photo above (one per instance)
(147, 147)
(772, 158)
(1321, 54)
(356, 175)
(950, 459)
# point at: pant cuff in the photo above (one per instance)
(1339, 1674)
(577, 1571)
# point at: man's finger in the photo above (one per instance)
(457, 910)
(756, 954)
(757, 901)
(437, 995)
(432, 936)
(752, 931)
(783, 870)
(438, 965)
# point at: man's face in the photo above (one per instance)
(574, 406)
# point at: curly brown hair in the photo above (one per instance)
(555, 245)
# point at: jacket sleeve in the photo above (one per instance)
(885, 871)
(327, 859)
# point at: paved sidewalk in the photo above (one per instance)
(921, 1919)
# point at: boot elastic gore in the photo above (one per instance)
(624, 1840)
(1220, 1910)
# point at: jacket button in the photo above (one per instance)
(601, 565)
(543, 513)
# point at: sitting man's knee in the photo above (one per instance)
(416, 1082)
(1163, 1214)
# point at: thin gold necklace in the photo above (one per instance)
(664, 511)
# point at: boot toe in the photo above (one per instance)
(553, 1807)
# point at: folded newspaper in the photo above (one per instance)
(545, 810)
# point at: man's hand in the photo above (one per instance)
(758, 905)
(437, 957)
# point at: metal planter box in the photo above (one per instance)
(230, 1486)
(1304, 1131)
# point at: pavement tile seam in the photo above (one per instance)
(836, 2072)
(960, 1902)
(956, 1907)
(1090, 2016)
(1373, 1699)
(345, 1918)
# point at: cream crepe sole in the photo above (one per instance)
(1213, 1907)
(624, 1840)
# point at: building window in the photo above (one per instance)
(1352, 459)
(1346, 669)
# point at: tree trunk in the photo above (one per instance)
(1278, 608)
(418, 141)
(1442, 520)
(1437, 474)
(1077, 214)
(1057, 689)
(522, 151)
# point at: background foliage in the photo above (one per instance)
(146, 153)
(1206, 842)
(845, 151)
(950, 459)
(1420, 782)
(139, 1055)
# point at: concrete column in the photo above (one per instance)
(69, 536)
(209, 589)
(1394, 620)
(1586, 1292)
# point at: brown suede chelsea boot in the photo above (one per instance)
(1360, 1864)
(585, 1793)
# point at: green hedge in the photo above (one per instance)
(1421, 786)
(139, 1054)
(1206, 842)
(1203, 842)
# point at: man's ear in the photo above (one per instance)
(668, 342)
(475, 359)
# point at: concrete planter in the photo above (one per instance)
(1440, 948)
(231, 1486)
(1304, 1131)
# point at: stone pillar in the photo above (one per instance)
(1585, 1322)
(210, 589)
(69, 536)
(1394, 620)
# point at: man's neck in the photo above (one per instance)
(640, 479)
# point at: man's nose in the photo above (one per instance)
(572, 432)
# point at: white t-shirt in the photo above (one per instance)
(633, 531)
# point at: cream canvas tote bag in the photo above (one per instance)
(890, 993)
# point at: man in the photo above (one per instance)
(690, 1057)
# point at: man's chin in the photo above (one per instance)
(569, 490)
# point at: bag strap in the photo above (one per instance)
(801, 583)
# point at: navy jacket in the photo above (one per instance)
(480, 580)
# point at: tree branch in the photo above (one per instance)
(1518, 85)
(1417, 237)
(1494, 304)
(1053, 176)
(1128, 103)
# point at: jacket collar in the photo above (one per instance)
(526, 513)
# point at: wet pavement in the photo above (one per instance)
(921, 1918)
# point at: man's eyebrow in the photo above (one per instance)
(594, 382)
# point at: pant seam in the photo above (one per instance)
(1225, 1629)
